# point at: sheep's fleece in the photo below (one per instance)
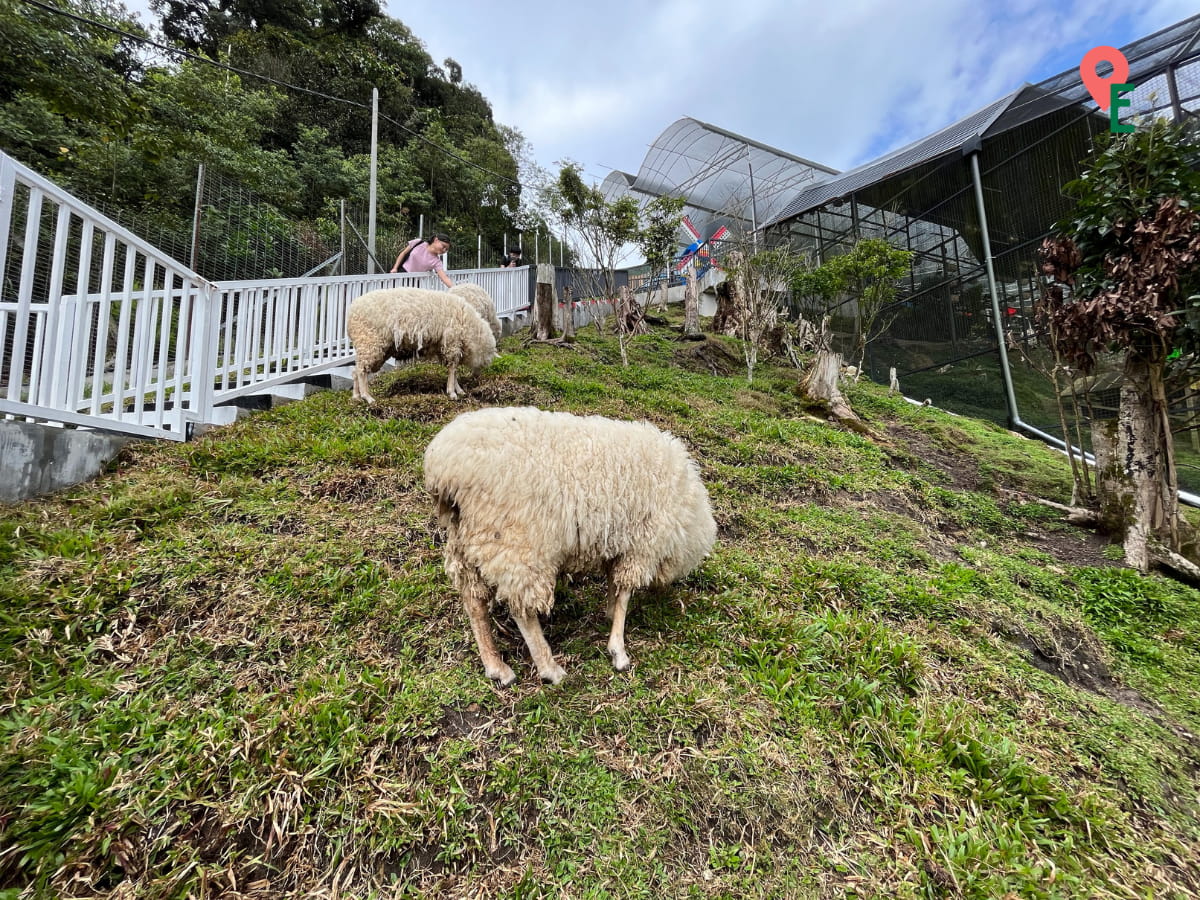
(481, 300)
(525, 495)
(399, 322)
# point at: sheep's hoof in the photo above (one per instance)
(620, 661)
(553, 676)
(504, 676)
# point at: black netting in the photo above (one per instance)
(942, 340)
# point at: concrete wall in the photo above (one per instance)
(40, 459)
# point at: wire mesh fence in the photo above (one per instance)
(235, 235)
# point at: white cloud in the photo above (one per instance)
(838, 83)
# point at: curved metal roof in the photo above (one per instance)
(715, 170)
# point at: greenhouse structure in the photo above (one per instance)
(973, 202)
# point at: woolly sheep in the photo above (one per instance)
(525, 495)
(395, 322)
(481, 300)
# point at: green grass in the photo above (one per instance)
(235, 667)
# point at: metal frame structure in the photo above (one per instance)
(973, 202)
(726, 178)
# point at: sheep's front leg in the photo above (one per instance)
(361, 391)
(452, 382)
(618, 605)
(475, 599)
(366, 365)
(475, 602)
(550, 671)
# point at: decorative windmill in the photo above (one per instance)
(699, 248)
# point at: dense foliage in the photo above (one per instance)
(274, 96)
(1121, 277)
(1123, 267)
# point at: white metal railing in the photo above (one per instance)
(96, 326)
(100, 329)
(511, 290)
(273, 331)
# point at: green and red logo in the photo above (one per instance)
(1107, 90)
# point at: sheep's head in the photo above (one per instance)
(694, 533)
(481, 357)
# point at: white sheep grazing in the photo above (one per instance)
(397, 322)
(481, 301)
(525, 495)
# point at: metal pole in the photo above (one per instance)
(479, 251)
(421, 226)
(196, 218)
(753, 204)
(1009, 395)
(342, 231)
(1173, 90)
(374, 166)
(537, 242)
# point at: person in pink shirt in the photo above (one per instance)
(424, 255)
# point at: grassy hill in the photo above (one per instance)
(235, 668)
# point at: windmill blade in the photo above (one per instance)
(692, 229)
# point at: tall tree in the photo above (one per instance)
(65, 84)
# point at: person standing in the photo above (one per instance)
(424, 255)
(514, 259)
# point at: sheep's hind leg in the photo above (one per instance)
(475, 597)
(550, 671)
(618, 605)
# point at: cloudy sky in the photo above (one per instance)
(839, 82)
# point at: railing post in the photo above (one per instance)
(206, 311)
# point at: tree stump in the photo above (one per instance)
(731, 311)
(568, 316)
(544, 303)
(820, 385)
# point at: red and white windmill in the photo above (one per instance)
(698, 244)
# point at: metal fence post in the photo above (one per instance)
(374, 168)
(1009, 396)
(196, 218)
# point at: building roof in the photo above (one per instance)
(1148, 57)
(712, 169)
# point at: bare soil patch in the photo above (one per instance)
(961, 470)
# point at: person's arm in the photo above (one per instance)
(446, 279)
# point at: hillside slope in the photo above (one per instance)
(235, 668)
